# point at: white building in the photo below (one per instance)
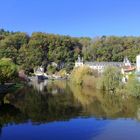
(126, 62)
(39, 71)
(100, 66)
(79, 62)
(138, 63)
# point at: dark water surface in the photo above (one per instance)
(60, 111)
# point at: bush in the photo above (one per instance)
(51, 69)
(62, 73)
(90, 81)
(8, 70)
(78, 75)
(110, 79)
(133, 87)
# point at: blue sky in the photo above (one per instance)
(72, 17)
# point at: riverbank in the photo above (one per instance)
(110, 81)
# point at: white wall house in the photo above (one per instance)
(100, 66)
(138, 63)
(79, 62)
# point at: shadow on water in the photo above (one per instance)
(0, 130)
(59, 100)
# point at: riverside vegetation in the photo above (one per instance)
(110, 81)
(80, 104)
(8, 70)
(27, 52)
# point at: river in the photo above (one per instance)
(60, 111)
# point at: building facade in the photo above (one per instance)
(138, 63)
(100, 66)
(79, 62)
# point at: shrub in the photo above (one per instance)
(51, 69)
(89, 81)
(8, 70)
(62, 73)
(110, 79)
(133, 87)
(78, 75)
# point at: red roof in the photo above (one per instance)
(129, 68)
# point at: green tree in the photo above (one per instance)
(51, 69)
(30, 57)
(78, 74)
(8, 70)
(111, 79)
(11, 44)
(133, 86)
(86, 47)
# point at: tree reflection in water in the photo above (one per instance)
(61, 101)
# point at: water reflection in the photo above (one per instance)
(61, 101)
(38, 85)
(0, 130)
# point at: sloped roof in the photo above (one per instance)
(129, 68)
(104, 63)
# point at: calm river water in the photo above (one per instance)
(60, 111)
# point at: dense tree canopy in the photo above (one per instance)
(113, 48)
(39, 49)
(43, 49)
